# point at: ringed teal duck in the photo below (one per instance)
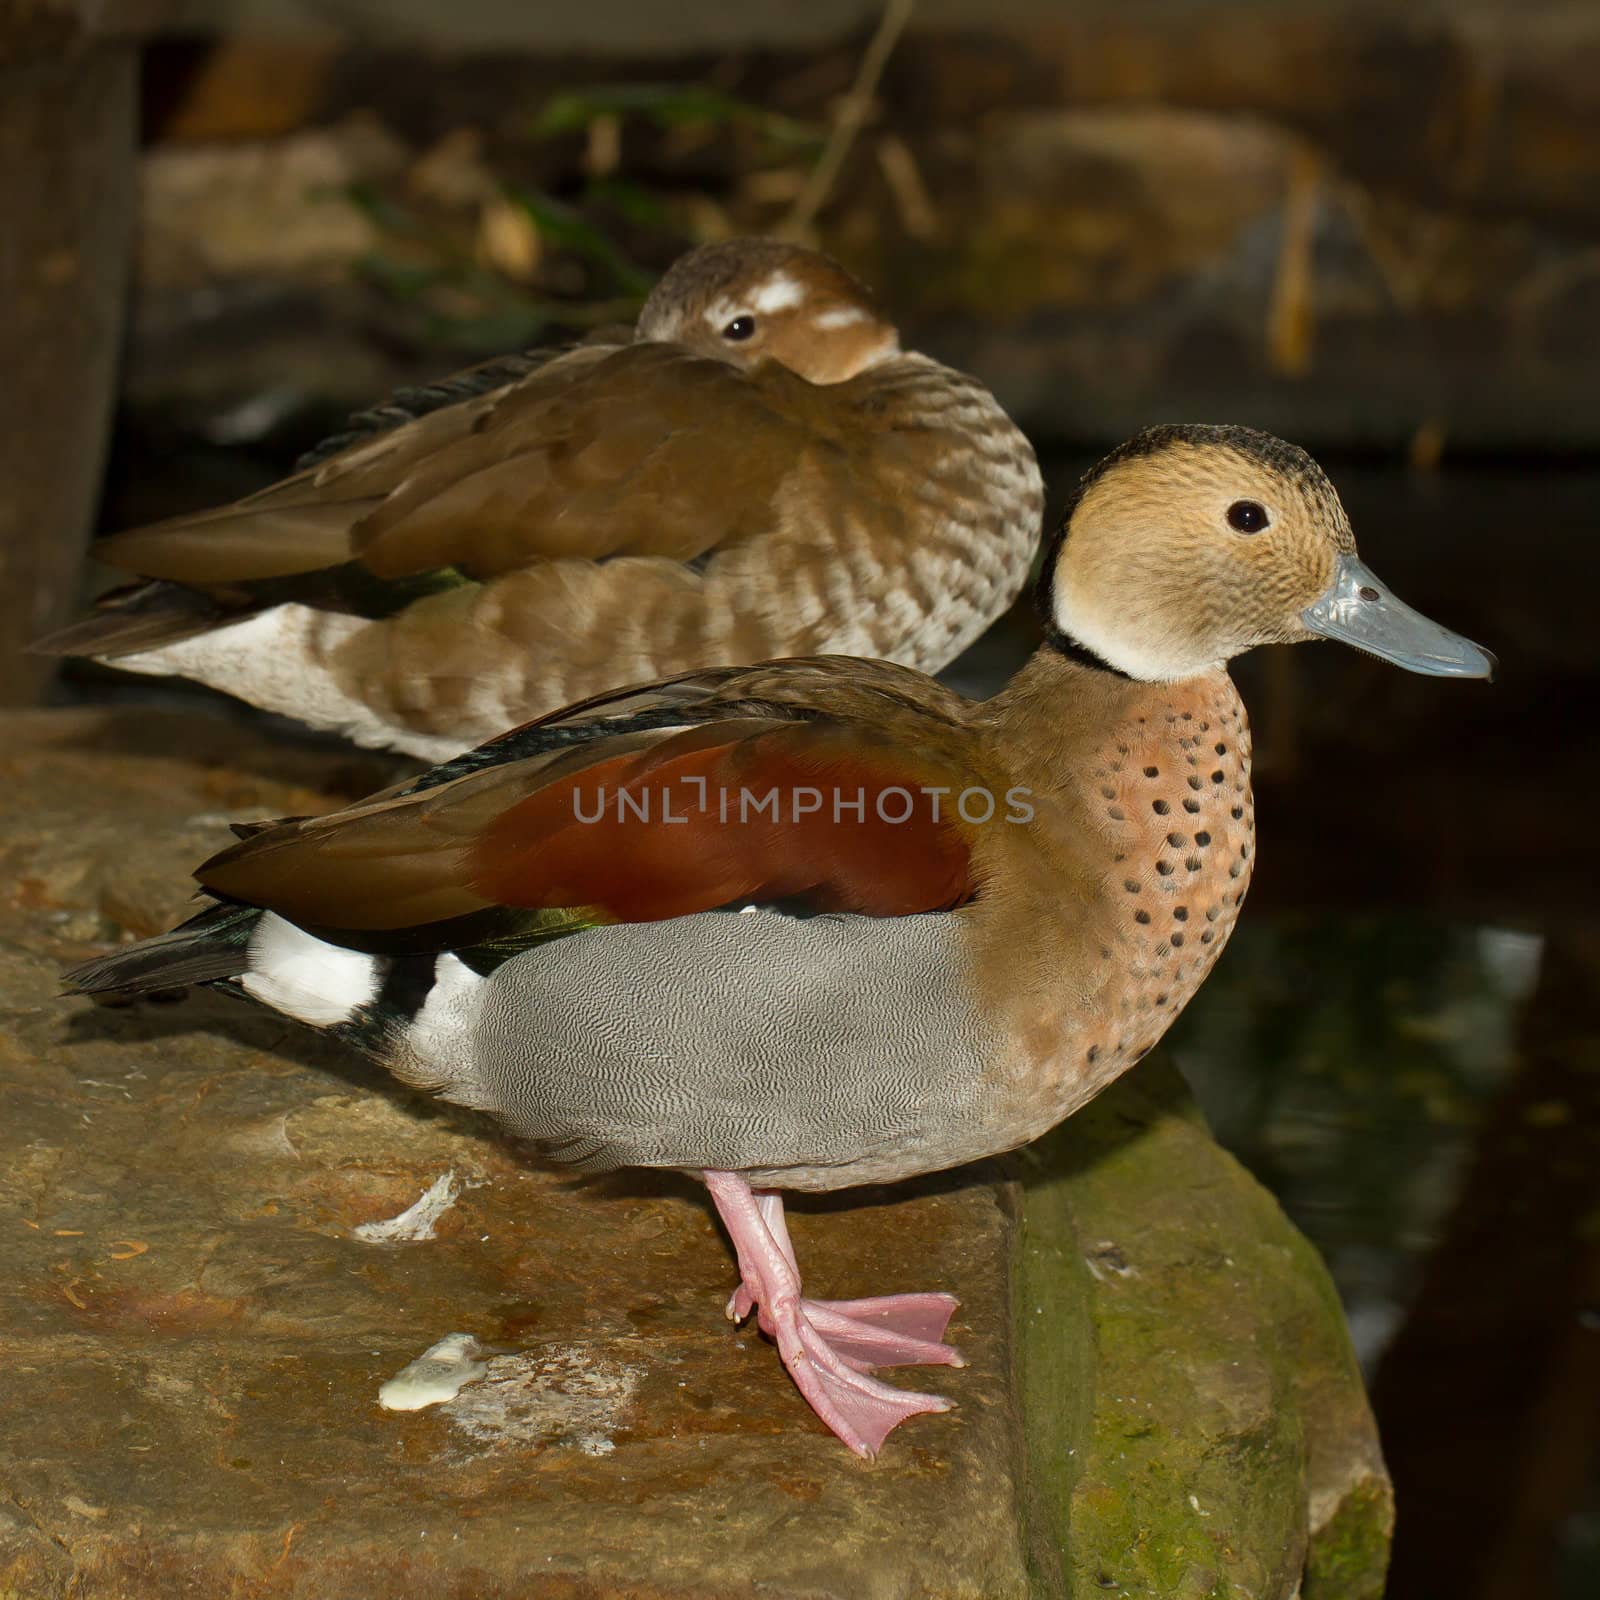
(817, 923)
(760, 471)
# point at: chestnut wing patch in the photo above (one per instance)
(818, 815)
(794, 813)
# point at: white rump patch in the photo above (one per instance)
(778, 293)
(843, 317)
(419, 1219)
(277, 659)
(440, 1373)
(305, 978)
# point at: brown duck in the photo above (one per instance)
(760, 471)
(818, 923)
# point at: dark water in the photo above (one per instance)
(1401, 1040)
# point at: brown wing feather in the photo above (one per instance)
(600, 452)
(549, 830)
(309, 521)
(237, 544)
(620, 461)
(884, 519)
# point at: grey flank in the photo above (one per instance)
(832, 1049)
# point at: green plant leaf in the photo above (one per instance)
(563, 225)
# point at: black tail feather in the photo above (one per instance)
(406, 405)
(140, 616)
(207, 947)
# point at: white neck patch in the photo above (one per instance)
(1151, 661)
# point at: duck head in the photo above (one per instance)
(1192, 544)
(750, 300)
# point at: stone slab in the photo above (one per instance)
(194, 1335)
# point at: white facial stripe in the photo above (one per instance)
(778, 293)
(844, 317)
(302, 976)
(720, 313)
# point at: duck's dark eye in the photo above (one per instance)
(1248, 516)
(740, 328)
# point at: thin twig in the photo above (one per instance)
(917, 215)
(1291, 312)
(848, 120)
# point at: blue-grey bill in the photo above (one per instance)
(1359, 610)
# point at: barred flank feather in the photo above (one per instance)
(209, 946)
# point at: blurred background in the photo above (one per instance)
(1372, 229)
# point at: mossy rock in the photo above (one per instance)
(1196, 1424)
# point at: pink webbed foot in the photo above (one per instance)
(890, 1330)
(829, 1345)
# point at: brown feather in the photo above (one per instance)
(238, 544)
(617, 460)
(510, 834)
(820, 521)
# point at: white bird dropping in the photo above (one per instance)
(439, 1373)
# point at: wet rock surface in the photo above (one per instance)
(194, 1330)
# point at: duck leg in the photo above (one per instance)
(889, 1330)
(829, 1345)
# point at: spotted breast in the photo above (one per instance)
(1176, 790)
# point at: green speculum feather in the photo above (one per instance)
(371, 596)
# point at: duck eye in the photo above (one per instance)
(740, 328)
(1248, 516)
